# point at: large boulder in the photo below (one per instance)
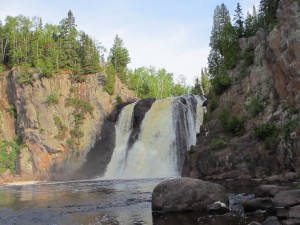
(187, 194)
(287, 198)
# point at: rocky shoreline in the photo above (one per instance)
(273, 201)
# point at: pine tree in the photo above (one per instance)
(216, 66)
(70, 46)
(267, 12)
(239, 21)
(90, 61)
(119, 57)
(230, 46)
(110, 79)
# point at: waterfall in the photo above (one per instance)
(167, 131)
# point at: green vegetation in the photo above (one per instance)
(262, 132)
(192, 150)
(225, 52)
(28, 43)
(81, 108)
(119, 100)
(62, 129)
(80, 105)
(9, 151)
(219, 143)
(220, 41)
(291, 126)
(268, 133)
(52, 99)
(155, 83)
(232, 123)
(110, 79)
(24, 77)
(12, 111)
(254, 107)
(203, 85)
(119, 57)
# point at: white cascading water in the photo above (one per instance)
(158, 148)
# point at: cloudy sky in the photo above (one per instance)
(171, 34)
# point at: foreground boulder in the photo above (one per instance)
(187, 194)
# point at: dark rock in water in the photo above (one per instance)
(269, 190)
(294, 212)
(186, 194)
(217, 208)
(277, 178)
(254, 223)
(290, 222)
(291, 176)
(282, 213)
(139, 112)
(258, 203)
(287, 198)
(272, 220)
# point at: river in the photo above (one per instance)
(101, 202)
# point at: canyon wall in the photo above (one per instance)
(58, 121)
(265, 95)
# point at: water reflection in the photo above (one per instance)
(102, 202)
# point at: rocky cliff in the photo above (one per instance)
(264, 100)
(58, 121)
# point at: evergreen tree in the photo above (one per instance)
(267, 11)
(239, 21)
(2, 41)
(90, 60)
(230, 46)
(216, 66)
(251, 23)
(221, 17)
(119, 57)
(69, 57)
(110, 79)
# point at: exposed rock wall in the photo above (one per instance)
(274, 79)
(47, 127)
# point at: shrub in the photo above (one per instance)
(192, 149)
(219, 143)
(8, 158)
(248, 56)
(119, 100)
(221, 83)
(254, 107)
(73, 89)
(213, 103)
(76, 133)
(61, 128)
(24, 77)
(80, 105)
(236, 125)
(52, 99)
(12, 111)
(264, 131)
(233, 124)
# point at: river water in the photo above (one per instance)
(102, 202)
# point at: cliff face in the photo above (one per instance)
(58, 120)
(272, 82)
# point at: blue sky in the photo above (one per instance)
(173, 34)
